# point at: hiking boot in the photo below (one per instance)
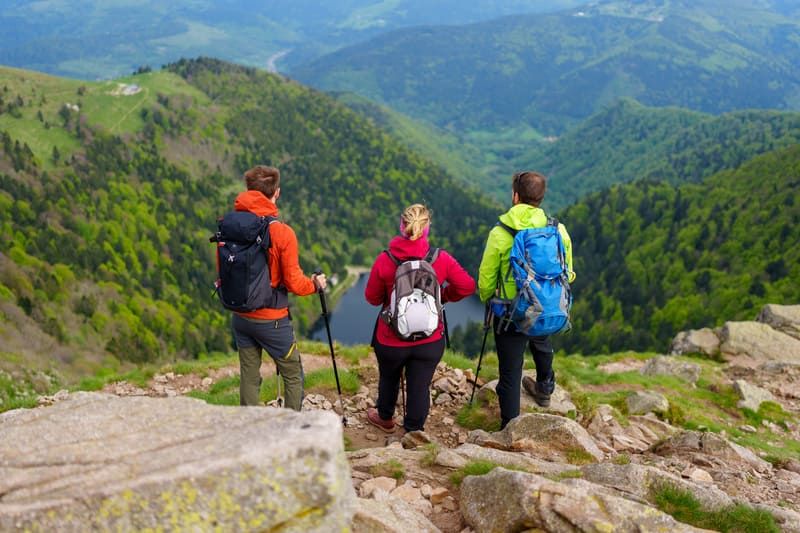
(540, 390)
(387, 426)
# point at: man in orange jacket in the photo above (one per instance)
(271, 328)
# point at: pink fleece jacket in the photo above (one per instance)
(456, 282)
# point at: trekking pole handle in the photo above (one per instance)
(320, 290)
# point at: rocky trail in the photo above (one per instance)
(577, 466)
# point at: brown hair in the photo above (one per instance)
(530, 186)
(263, 179)
(415, 219)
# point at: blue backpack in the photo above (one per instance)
(538, 264)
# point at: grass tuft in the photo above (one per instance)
(473, 468)
(391, 468)
(478, 416)
(576, 456)
(478, 468)
(684, 507)
(675, 414)
(622, 459)
(432, 449)
(568, 474)
(223, 392)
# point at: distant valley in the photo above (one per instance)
(504, 86)
(101, 40)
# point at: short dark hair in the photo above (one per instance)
(530, 186)
(263, 179)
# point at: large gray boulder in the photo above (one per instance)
(636, 436)
(645, 401)
(511, 460)
(661, 365)
(639, 482)
(759, 341)
(549, 437)
(709, 447)
(100, 462)
(785, 318)
(389, 515)
(503, 500)
(695, 341)
(751, 396)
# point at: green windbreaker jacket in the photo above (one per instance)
(495, 265)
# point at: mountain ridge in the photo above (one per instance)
(544, 73)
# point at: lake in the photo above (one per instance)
(353, 319)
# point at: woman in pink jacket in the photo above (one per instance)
(418, 358)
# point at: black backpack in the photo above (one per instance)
(243, 282)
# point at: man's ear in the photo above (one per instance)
(276, 195)
(514, 198)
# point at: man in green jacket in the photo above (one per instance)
(528, 189)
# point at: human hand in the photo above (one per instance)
(320, 281)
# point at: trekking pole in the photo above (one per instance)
(446, 331)
(330, 345)
(278, 393)
(486, 326)
(403, 389)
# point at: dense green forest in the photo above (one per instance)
(628, 142)
(107, 200)
(653, 259)
(507, 84)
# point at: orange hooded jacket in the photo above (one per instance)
(284, 262)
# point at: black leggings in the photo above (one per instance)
(419, 363)
(510, 355)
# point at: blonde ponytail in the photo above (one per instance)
(414, 220)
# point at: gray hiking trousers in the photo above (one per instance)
(277, 338)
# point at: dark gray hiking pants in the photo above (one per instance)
(277, 338)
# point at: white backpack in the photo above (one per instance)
(415, 305)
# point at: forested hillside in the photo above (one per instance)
(507, 84)
(109, 191)
(653, 259)
(628, 142)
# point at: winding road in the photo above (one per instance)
(274, 58)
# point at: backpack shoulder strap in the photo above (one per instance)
(266, 242)
(432, 255)
(508, 228)
(395, 260)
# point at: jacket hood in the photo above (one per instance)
(404, 248)
(256, 203)
(524, 216)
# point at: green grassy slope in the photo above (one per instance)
(106, 205)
